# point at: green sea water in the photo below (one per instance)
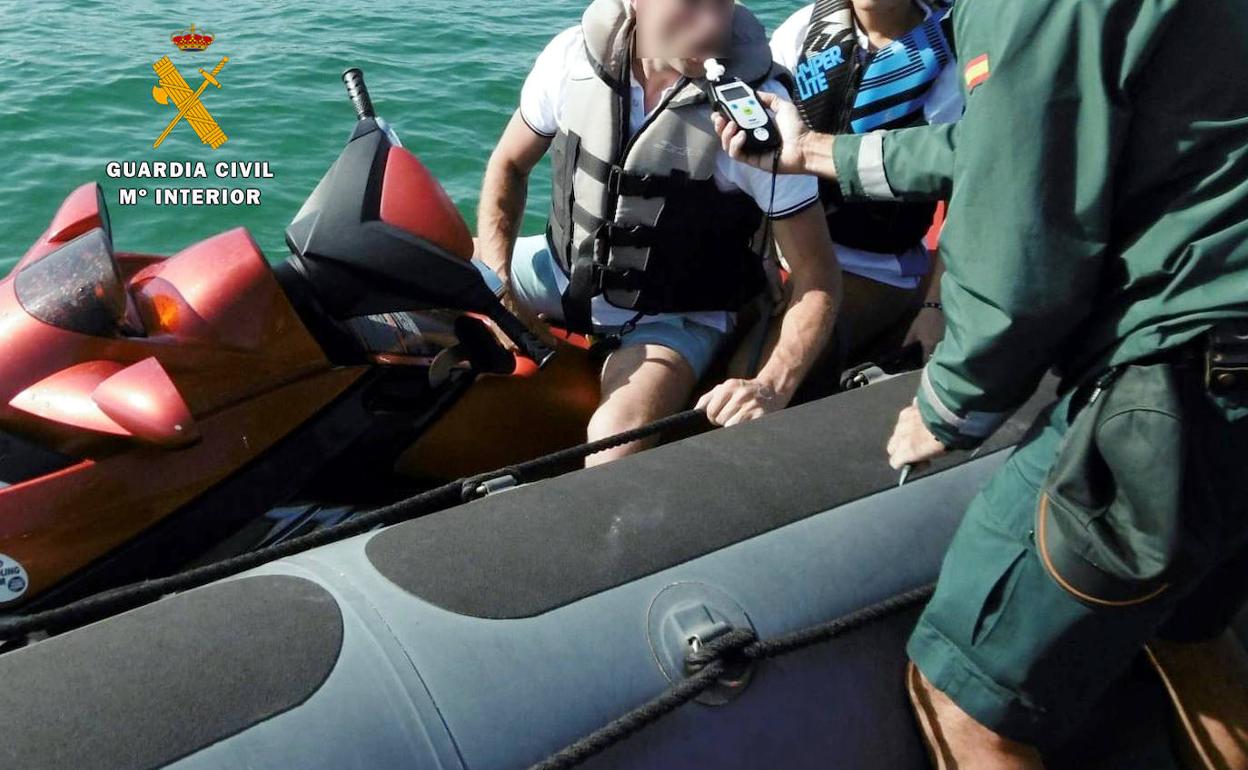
(75, 93)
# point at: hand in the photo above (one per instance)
(535, 322)
(912, 443)
(926, 330)
(736, 401)
(793, 136)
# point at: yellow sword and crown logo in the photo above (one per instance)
(173, 88)
(190, 40)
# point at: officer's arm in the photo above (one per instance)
(505, 191)
(906, 164)
(1028, 230)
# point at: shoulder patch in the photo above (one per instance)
(977, 71)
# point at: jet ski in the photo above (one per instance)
(157, 410)
(493, 634)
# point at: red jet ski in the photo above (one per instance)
(153, 408)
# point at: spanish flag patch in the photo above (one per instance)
(977, 71)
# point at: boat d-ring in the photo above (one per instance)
(685, 616)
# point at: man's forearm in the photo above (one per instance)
(500, 214)
(816, 154)
(804, 331)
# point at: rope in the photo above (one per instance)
(129, 596)
(712, 660)
(708, 663)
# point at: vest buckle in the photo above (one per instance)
(610, 234)
(602, 250)
(615, 180)
(621, 182)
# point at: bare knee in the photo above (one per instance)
(639, 385)
(616, 416)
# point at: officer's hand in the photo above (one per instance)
(912, 443)
(736, 401)
(793, 133)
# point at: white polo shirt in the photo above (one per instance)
(943, 104)
(542, 103)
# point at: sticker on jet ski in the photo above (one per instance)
(12, 579)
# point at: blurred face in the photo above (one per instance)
(683, 33)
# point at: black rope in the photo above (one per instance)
(687, 419)
(709, 663)
(127, 597)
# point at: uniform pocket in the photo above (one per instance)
(977, 580)
(1109, 522)
(993, 606)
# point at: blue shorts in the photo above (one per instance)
(533, 281)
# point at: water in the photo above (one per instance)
(75, 93)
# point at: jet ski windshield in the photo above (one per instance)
(78, 287)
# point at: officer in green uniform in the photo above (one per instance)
(1098, 225)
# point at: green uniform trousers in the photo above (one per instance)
(1024, 657)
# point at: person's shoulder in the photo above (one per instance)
(564, 46)
(568, 38)
(787, 40)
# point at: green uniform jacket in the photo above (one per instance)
(1099, 183)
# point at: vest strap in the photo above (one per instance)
(608, 234)
(590, 266)
(583, 282)
(619, 181)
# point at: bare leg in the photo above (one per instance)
(955, 740)
(1208, 684)
(640, 384)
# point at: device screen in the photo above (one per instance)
(736, 92)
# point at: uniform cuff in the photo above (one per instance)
(859, 163)
(954, 430)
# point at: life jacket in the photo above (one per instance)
(840, 88)
(641, 220)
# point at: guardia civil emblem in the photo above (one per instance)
(174, 91)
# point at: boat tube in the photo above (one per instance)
(491, 635)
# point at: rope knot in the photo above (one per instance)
(732, 647)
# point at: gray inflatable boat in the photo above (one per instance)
(490, 635)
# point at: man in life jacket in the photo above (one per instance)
(1097, 227)
(899, 71)
(654, 231)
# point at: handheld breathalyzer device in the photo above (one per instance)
(738, 102)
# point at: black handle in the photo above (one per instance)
(528, 342)
(354, 80)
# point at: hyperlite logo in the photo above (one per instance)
(812, 74)
(12, 579)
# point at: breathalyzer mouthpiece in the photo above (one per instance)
(714, 70)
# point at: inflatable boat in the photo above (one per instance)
(492, 634)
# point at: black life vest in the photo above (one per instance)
(839, 88)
